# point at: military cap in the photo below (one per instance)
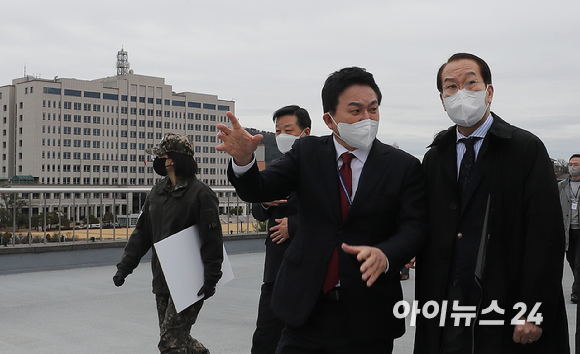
(172, 143)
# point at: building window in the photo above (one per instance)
(92, 94)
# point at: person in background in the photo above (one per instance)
(175, 203)
(292, 122)
(569, 189)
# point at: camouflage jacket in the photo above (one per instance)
(168, 210)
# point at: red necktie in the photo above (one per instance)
(346, 183)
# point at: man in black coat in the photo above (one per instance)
(496, 239)
(360, 219)
(292, 122)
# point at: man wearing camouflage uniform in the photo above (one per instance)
(175, 203)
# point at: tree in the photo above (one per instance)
(8, 202)
(560, 167)
(92, 220)
(108, 218)
(37, 221)
(236, 211)
(5, 218)
(65, 222)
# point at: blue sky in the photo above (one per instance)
(266, 54)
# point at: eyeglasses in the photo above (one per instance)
(575, 164)
(451, 88)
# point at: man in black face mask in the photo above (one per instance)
(175, 203)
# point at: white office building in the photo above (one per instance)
(94, 132)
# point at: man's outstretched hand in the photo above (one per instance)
(374, 262)
(237, 142)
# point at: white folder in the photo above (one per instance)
(180, 258)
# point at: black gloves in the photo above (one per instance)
(119, 278)
(207, 291)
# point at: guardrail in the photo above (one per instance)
(234, 213)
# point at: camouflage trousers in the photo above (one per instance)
(175, 327)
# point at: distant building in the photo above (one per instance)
(94, 132)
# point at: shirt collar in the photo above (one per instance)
(479, 132)
(358, 153)
(182, 183)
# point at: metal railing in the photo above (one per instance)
(28, 198)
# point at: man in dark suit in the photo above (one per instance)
(292, 122)
(360, 219)
(496, 239)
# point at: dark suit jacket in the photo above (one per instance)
(274, 251)
(388, 212)
(524, 254)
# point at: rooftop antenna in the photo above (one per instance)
(122, 62)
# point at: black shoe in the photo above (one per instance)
(574, 298)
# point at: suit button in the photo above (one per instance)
(459, 235)
(453, 206)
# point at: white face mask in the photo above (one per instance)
(574, 171)
(359, 135)
(285, 141)
(466, 108)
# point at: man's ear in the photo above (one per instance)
(328, 120)
(489, 95)
(306, 131)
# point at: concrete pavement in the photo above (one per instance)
(81, 311)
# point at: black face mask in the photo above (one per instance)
(159, 166)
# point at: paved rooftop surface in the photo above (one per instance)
(81, 311)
